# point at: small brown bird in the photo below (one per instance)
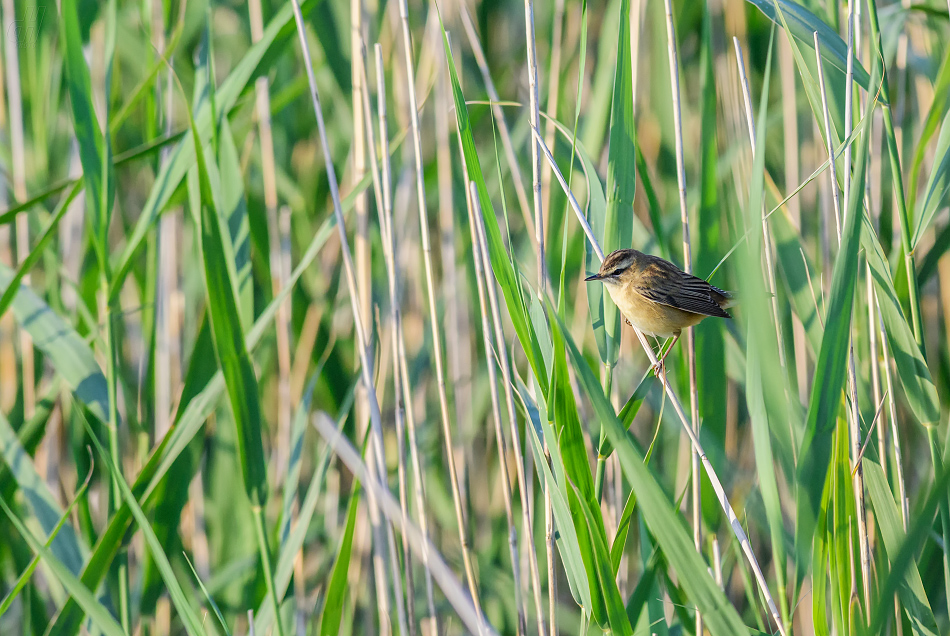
(656, 296)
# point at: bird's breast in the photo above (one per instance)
(650, 317)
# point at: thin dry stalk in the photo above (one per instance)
(535, 154)
(678, 407)
(854, 421)
(688, 262)
(450, 586)
(18, 170)
(167, 345)
(403, 389)
(895, 436)
(502, 354)
(8, 390)
(792, 175)
(385, 229)
(378, 466)
(458, 349)
(829, 143)
(500, 121)
(278, 230)
(361, 242)
(554, 83)
(766, 232)
(554, 89)
(433, 310)
(490, 351)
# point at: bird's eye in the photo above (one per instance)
(616, 272)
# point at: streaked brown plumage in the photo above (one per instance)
(656, 296)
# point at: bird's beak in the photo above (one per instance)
(594, 277)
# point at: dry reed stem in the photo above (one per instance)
(499, 116)
(854, 421)
(554, 89)
(491, 348)
(450, 586)
(433, 310)
(554, 82)
(535, 119)
(458, 349)
(18, 174)
(695, 497)
(167, 347)
(384, 210)
(793, 175)
(378, 466)
(278, 230)
(678, 407)
(403, 401)
(507, 383)
(386, 233)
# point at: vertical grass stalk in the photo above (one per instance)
(696, 475)
(399, 344)
(507, 382)
(433, 309)
(490, 351)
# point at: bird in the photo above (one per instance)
(657, 297)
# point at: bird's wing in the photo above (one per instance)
(671, 286)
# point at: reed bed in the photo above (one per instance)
(294, 337)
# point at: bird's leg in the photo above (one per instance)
(659, 363)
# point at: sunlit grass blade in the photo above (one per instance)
(554, 482)
(336, 590)
(64, 348)
(829, 379)
(802, 23)
(937, 184)
(888, 518)
(912, 370)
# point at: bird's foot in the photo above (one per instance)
(659, 367)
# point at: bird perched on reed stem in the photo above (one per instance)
(657, 297)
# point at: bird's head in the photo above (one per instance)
(617, 267)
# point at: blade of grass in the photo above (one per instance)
(99, 615)
(333, 603)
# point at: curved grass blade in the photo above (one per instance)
(27, 263)
(888, 518)
(24, 578)
(336, 590)
(78, 592)
(912, 370)
(67, 352)
(181, 602)
(802, 23)
(815, 453)
(68, 547)
(937, 185)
